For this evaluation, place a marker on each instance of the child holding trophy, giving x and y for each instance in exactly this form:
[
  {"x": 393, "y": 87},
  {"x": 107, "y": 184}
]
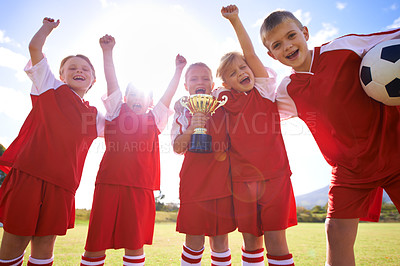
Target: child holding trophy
[
  {"x": 123, "y": 211},
  {"x": 262, "y": 191},
  {"x": 206, "y": 206}
]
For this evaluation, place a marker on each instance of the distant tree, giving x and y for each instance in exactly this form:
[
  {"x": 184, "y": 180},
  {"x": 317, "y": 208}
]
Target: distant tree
[
  {"x": 2, "y": 174},
  {"x": 159, "y": 205}
]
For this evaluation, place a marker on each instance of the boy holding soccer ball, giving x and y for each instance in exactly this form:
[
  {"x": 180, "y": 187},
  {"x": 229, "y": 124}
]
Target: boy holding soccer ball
[{"x": 357, "y": 135}]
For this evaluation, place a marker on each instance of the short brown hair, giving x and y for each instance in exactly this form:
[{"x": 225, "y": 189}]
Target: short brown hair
[
  {"x": 80, "y": 56},
  {"x": 274, "y": 19},
  {"x": 226, "y": 61}
]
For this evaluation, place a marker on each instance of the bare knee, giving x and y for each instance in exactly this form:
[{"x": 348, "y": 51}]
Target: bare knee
[
  {"x": 13, "y": 246},
  {"x": 194, "y": 242},
  {"x": 219, "y": 243},
  {"x": 275, "y": 242},
  {"x": 341, "y": 229},
  {"x": 42, "y": 246},
  {"x": 252, "y": 242}
]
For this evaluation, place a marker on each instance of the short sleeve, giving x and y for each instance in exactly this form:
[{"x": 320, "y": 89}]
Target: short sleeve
[
  {"x": 286, "y": 106},
  {"x": 113, "y": 104},
  {"x": 267, "y": 86},
  {"x": 42, "y": 77},
  {"x": 161, "y": 114}
]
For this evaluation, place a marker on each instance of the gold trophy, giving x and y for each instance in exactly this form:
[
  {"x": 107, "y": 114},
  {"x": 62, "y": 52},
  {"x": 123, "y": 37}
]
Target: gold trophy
[{"x": 207, "y": 104}]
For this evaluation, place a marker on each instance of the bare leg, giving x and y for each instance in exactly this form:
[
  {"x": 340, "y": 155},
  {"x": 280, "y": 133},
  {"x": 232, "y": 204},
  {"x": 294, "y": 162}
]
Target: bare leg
[
  {"x": 42, "y": 247},
  {"x": 134, "y": 252},
  {"x": 219, "y": 243},
  {"x": 252, "y": 242},
  {"x": 275, "y": 242},
  {"x": 340, "y": 236},
  {"x": 13, "y": 246},
  {"x": 194, "y": 242},
  {"x": 95, "y": 254}
]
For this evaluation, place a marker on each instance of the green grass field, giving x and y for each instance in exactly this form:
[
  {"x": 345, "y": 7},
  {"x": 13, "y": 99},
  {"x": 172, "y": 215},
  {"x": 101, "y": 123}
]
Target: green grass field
[{"x": 377, "y": 244}]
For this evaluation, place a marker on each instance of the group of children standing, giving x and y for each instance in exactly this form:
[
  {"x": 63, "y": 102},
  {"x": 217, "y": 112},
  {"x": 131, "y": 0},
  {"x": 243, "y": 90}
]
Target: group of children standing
[{"x": 244, "y": 183}]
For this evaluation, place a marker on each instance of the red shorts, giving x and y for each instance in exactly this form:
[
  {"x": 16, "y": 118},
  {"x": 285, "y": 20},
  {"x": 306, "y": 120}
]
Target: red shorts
[
  {"x": 30, "y": 206},
  {"x": 349, "y": 201},
  {"x": 210, "y": 218},
  {"x": 264, "y": 205},
  {"x": 121, "y": 217}
]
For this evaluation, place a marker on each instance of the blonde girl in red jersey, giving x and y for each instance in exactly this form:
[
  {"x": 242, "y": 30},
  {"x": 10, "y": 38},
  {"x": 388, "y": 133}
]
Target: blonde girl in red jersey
[
  {"x": 263, "y": 196},
  {"x": 45, "y": 161}
]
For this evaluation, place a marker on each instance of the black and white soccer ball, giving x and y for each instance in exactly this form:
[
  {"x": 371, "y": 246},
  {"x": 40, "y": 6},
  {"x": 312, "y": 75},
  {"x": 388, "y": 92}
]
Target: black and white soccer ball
[{"x": 380, "y": 72}]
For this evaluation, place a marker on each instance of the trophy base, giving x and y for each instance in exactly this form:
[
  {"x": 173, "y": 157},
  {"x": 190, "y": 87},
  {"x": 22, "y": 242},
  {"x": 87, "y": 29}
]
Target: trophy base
[{"x": 200, "y": 143}]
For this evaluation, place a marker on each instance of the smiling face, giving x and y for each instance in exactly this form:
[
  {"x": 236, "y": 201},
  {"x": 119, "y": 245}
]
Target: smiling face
[
  {"x": 287, "y": 43},
  {"x": 237, "y": 75},
  {"x": 78, "y": 74},
  {"x": 198, "y": 79}
]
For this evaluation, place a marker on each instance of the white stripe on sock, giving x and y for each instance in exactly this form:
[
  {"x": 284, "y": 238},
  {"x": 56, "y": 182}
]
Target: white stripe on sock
[{"x": 39, "y": 261}]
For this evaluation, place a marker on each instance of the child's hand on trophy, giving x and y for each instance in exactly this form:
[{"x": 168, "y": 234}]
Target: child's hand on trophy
[{"x": 199, "y": 120}]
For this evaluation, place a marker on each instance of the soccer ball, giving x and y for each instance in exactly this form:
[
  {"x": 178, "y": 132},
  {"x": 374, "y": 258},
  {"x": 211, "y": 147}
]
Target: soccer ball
[{"x": 380, "y": 72}]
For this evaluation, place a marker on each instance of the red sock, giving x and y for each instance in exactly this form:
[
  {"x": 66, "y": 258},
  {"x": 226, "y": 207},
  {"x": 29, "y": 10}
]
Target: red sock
[
  {"x": 190, "y": 256},
  {"x": 40, "y": 262},
  {"x": 134, "y": 260},
  {"x": 99, "y": 261},
  {"x": 14, "y": 262},
  {"x": 221, "y": 258},
  {"x": 253, "y": 258},
  {"x": 280, "y": 260}
]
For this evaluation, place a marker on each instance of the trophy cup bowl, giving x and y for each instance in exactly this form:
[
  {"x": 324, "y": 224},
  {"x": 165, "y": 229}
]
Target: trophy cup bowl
[{"x": 200, "y": 141}]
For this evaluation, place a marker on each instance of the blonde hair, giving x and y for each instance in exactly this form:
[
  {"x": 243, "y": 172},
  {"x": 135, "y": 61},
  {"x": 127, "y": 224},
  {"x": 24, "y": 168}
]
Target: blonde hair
[
  {"x": 226, "y": 61},
  {"x": 198, "y": 64},
  {"x": 274, "y": 19}
]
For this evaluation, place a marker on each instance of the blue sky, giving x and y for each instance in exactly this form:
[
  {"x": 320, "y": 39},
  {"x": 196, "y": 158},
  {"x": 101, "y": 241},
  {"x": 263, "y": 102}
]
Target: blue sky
[{"x": 149, "y": 34}]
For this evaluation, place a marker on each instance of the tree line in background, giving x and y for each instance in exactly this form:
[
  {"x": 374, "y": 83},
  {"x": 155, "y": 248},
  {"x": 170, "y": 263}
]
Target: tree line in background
[{"x": 317, "y": 214}]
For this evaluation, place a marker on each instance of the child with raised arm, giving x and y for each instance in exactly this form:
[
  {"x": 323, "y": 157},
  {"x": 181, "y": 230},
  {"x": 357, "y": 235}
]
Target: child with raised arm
[
  {"x": 263, "y": 196},
  {"x": 123, "y": 211},
  {"x": 206, "y": 207},
  {"x": 46, "y": 159},
  {"x": 357, "y": 135}
]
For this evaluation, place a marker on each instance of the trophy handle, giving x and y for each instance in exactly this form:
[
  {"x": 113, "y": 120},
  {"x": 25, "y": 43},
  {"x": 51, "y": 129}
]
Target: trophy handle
[
  {"x": 220, "y": 103},
  {"x": 184, "y": 102}
]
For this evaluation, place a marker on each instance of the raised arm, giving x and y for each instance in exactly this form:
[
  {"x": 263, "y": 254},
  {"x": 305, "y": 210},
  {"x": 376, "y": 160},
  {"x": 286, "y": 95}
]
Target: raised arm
[
  {"x": 180, "y": 63},
  {"x": 107, "y": 43},
  {"x": 231, "y": 13},
  {"x": 38, "y": 40}
]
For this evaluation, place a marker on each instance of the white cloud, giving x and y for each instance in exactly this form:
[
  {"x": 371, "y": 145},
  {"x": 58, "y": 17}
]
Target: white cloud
[
  {"x": 107, "y": 3},
  {"x": 327, "y": 33},
  {"x": 304, "y": 17},
  {"x": 396, "y": 24},
  {"x": 14, "y": 104},
  {"x": 4, "y": 38},
  {"x": 340, "y": 5},
  {"x": 393, "y": 7},
  {"x": 14, "y": 61}
]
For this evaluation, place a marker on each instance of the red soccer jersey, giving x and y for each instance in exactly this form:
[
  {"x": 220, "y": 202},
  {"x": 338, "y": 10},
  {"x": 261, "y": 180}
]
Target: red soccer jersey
[
  {"x": 54, "y": 140},
  {"x": 257, "y": 148},
  {"x": 132, "y": 156},
  {"x": 204, "y": 176},
  {"x": 358, "y": 136}
]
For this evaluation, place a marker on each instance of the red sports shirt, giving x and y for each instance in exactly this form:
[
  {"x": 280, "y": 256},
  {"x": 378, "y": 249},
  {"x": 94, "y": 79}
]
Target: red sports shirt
[{"x": 54, "y": 140}]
